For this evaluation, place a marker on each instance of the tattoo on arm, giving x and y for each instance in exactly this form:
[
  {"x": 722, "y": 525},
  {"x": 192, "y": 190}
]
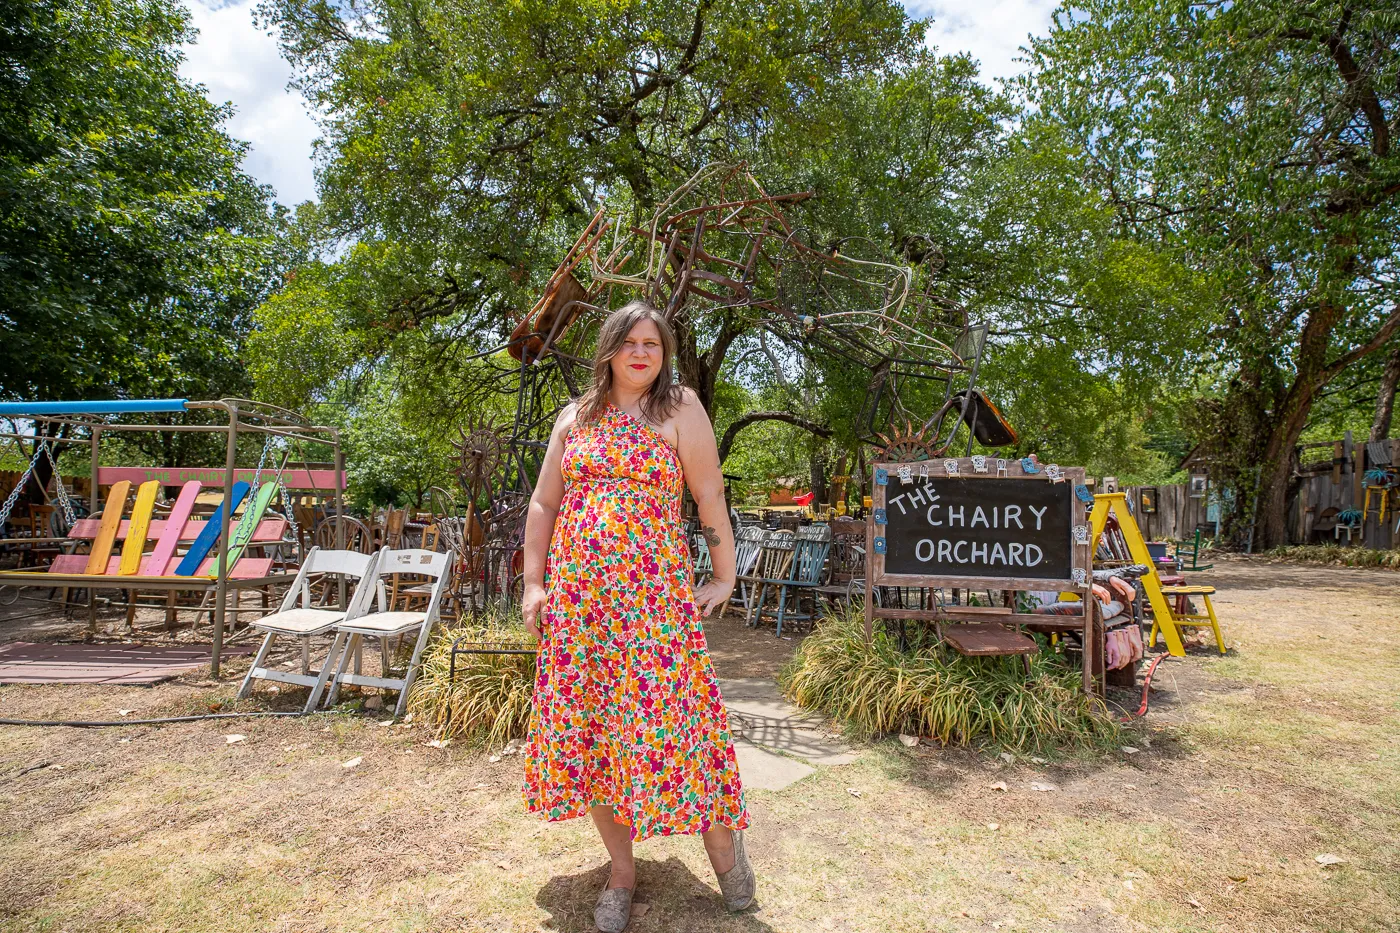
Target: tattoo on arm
[{"x": 711, "y": 536}]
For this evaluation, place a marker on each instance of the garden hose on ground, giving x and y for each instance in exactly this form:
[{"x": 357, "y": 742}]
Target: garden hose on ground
[
  {"x": 1146, "y": 683},
  {"x": 89, "y": 724}
]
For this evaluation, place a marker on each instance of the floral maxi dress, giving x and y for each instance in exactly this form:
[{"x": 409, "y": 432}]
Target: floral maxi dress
[{"x": 626, "y": 709}]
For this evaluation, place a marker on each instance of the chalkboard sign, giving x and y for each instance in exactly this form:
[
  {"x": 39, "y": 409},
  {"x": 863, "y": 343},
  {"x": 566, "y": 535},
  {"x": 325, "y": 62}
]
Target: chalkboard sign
[
  {"x": 964, "y": 527},
  {"x": 999, "y": 529}
]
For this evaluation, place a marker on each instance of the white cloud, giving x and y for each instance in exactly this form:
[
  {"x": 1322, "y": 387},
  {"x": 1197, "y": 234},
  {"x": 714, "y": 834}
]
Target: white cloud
[
  {"x": 237, "y": 62},
  {"x": 993, "y": 31}
]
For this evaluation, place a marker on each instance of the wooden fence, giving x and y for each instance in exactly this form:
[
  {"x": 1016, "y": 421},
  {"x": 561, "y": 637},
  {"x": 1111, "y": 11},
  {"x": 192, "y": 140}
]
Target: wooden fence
[{"x": 1332, "y": 481}]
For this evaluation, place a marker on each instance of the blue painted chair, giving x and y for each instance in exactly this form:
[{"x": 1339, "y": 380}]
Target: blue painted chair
[{"x": 801, "y": 577}]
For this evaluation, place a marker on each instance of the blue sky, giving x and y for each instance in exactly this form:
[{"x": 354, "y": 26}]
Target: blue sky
[{"x": 237, "y": 62}]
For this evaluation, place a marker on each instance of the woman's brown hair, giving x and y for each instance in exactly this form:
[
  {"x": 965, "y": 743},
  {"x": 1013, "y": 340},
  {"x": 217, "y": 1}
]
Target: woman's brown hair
[{"x": 664, "y": 396}]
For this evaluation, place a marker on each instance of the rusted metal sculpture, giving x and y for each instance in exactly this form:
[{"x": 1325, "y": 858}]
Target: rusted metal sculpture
[{"x": 721, "y": 247}]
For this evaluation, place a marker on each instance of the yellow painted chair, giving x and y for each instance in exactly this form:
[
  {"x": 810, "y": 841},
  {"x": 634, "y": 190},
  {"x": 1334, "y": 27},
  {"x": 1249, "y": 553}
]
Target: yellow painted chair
[{"x": 1182, "y": 619}]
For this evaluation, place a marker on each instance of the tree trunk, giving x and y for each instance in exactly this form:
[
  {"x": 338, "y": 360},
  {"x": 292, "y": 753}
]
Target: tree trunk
[
  {"x": 37, "y": 490},
  {"x": 818, "y": 465},
  {"x": 1385, "y": 398},
  {"x": 1291, "y": 417}
]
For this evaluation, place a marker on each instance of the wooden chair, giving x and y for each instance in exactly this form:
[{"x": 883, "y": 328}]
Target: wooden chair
[
  {"x": 774, "y": 558},
  {"x": 1183, "y": 617},
  {"x": 748, "y": 541},
  {"x": 846, "y": 575},
  {"x": 703, "y": 565},
  {"x": 801, "y": 577}
]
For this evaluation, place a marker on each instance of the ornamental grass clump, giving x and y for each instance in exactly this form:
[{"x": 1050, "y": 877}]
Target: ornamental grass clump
[
  {"x": 488, "y": 701},
  {"x": 931, "y": 691}
]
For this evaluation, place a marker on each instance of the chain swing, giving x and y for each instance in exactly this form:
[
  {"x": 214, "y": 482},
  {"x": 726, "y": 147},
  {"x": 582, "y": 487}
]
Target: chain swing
[
  {"x": 286, "y": 449},
  {"x": 45, "y": 450}
]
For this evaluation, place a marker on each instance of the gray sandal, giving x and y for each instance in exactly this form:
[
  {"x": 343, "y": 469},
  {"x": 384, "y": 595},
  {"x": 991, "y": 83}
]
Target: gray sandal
[
  {"x": 613, "y": 910},
  {"x": 739, "y": 883}
]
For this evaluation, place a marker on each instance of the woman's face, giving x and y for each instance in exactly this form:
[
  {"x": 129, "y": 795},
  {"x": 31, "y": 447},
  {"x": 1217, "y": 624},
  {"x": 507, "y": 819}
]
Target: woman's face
[{"x": 638, "y": 363}]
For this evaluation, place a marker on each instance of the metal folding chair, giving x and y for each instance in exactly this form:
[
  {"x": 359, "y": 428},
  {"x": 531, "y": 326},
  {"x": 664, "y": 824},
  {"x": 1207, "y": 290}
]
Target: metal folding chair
[
  {"x": 388, "y": 623},
  {"x": 299, "y": 617}
]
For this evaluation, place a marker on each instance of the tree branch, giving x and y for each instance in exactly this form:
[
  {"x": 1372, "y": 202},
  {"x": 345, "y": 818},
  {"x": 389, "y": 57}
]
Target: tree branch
[
  {"x": 1377, "y": 341},
  {"x": 754, "y": 417},
  {"x": 1362, "y": 91}
]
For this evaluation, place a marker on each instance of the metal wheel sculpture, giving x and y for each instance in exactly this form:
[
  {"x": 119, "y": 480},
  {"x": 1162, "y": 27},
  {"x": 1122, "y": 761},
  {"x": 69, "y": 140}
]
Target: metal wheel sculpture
[
  {"x": 480, "y": 454},
  {"x": 905, "y": 446}
]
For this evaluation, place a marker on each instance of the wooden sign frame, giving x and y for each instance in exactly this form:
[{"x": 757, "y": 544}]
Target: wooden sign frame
[{"x": 1081, "y": 558}]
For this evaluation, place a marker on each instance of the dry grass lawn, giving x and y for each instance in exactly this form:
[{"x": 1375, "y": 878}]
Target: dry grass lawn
[{"x": 1249, "y": 767}]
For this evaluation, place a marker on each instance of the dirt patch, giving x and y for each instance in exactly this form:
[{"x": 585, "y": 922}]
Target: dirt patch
[{"x": 1247, "y": 767}]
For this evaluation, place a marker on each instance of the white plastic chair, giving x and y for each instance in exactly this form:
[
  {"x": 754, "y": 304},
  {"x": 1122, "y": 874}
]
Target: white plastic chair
[
  {"x": 386, "y": 623},
  {"x": 305, "y": 620}
]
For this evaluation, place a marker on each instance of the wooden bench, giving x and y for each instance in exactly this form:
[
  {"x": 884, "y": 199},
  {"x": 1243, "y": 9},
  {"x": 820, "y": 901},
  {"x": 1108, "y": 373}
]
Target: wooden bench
[{"x": 116, "y": 555}]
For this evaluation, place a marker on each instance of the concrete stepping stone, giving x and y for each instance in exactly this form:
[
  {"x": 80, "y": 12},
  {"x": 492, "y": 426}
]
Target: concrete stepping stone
[{"x": 759, "y": 715}]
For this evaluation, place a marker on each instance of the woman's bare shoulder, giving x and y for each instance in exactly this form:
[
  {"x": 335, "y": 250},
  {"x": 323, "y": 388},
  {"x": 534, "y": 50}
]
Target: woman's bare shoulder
[
  {"x": 690, "y": 411},
  {"x": 565, "y": 421}
]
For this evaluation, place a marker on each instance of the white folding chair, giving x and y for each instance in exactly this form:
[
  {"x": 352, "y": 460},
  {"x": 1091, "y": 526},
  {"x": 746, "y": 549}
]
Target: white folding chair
[
  {"x": 305, "y": 620},
  {"x": 386, "y": 624}
]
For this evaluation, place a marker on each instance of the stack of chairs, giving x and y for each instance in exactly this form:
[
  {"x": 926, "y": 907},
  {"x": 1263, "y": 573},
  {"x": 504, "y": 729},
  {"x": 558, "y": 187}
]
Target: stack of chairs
[{"x": 794, "y": 568}]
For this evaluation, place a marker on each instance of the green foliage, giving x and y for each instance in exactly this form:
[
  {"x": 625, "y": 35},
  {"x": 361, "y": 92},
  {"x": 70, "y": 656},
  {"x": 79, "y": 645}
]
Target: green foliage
[
  {"x": 871, "y": 687},
  {"x": 393, "y": 453},
  {"x": 489, "y": 699},
  {"x": 132, "y": 246},
  {"x": 1257, "y": 142}
]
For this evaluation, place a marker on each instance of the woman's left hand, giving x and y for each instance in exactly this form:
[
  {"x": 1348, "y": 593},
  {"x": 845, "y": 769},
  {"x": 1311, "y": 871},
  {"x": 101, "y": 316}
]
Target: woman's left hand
[{"x": 713, "y": 594}]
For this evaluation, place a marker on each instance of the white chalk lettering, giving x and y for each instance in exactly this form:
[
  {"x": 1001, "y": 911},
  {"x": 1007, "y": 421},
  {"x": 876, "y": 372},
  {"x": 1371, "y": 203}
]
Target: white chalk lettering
[
  {"x": 928, "y": 516},
  {"x": 1032, "y": 561},
  {"x": 1038, "y": 514},
  {"x": 957, "y": 552},
  {"x": 895, "y": 501},
  {"x": 916, "y": 497},
  {"x": 1013, "y": 514},
  {"x": 955, "y": 516},
  {"x": 1014, "y": 549},
  {"x": 919, "y": 549},
  {"x": 998, "y": 554},
  {"x": 979, "y": 516},
  {"x": 979, "y": 551},
  {"x": 945, "y": 550}
]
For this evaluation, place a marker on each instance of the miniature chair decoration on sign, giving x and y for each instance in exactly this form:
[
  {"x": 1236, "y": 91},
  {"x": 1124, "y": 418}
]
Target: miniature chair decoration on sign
[
  {"x": 386, "y": 624},
  {"x": 297, "y": 617}
]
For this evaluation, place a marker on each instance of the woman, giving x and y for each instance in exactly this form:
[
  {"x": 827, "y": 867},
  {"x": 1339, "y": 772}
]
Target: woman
[{"x": 628, "y": 723}]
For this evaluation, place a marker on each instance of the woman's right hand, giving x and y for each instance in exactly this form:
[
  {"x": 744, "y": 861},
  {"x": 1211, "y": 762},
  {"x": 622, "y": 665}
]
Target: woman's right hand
[{"x": 532, "y": 608}]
